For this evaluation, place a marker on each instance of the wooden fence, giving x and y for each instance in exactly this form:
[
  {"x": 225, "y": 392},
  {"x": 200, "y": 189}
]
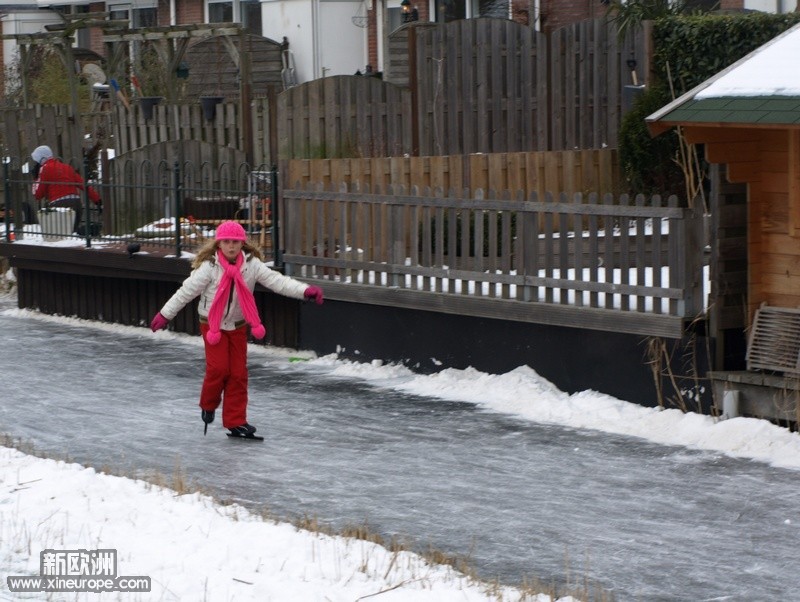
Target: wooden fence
[
  {"x": 627, "y": 264},
  {"x": 479, "y": 86},
  {"x": 587, "y": 73},
  {"x": 23, "y": 129},
  {"x": 184, "y": 122},
  {"x": 344, "y": 116},
  {"x": 563, "y": 171},
  {"x": 474, "y": 86}
]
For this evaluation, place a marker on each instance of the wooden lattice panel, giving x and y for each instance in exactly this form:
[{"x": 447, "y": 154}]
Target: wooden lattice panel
[{"x": 775, "y": 340}]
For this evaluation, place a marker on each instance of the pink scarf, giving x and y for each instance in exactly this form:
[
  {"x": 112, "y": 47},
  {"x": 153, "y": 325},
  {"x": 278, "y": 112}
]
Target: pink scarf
[{"x": 232, "y": 274}]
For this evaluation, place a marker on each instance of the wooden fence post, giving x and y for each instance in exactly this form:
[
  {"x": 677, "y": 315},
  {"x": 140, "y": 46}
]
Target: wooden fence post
[
  {"x": 412, "y": 84},
  {"x": 397, "y": 242},
  {"x": 695, "y": 241}
]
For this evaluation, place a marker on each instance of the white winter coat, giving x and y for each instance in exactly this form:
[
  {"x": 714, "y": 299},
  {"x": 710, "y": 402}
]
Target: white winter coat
[{"x": 204, "y": 281}]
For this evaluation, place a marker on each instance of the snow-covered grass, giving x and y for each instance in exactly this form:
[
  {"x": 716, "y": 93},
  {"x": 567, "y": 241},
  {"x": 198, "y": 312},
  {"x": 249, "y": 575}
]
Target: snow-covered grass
[{"x": 194, "y": 548}]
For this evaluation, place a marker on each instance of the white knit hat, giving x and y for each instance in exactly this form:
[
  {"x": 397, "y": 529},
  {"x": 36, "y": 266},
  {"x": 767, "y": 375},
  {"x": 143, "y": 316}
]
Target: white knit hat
[{"x": 41, "y": 154}]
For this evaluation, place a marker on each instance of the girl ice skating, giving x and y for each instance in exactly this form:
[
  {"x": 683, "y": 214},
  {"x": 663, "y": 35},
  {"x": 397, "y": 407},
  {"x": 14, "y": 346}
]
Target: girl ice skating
[{"x": 225, "y": 272}]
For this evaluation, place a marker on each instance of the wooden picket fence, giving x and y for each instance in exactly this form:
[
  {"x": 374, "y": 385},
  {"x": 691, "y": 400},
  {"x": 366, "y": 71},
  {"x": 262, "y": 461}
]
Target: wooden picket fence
[
  {"x": 185, "y": 122},
  {"x": 627, "y": 264},
  {"x": 23, "y": 129}
]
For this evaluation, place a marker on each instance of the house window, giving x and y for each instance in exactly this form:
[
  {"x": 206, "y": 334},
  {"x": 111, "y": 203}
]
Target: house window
[
  {"x": 145, "y": 17},
  {"x": 394, "y": 14},
  {"x": 251, "y": 16},
  {"x": 246, "y": 12},
  {"x": 452, "y": 10},
  {"x": 140, "y": 14},
  {"x": 82, "y": 38},
  {"x": 220, "y": 12}
]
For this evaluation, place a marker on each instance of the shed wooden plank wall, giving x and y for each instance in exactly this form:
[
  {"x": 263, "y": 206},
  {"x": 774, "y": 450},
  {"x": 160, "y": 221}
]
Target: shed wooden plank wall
[{"x": 773, "y": 238}]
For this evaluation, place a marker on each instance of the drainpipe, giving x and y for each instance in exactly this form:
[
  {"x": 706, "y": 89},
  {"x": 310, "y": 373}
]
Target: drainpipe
[
  {"x": 315, "y": 49},
  {"x": 173, "y": 13}
]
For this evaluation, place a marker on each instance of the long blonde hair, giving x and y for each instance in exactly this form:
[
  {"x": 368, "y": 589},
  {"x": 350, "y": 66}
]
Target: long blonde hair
[{"x": 209, "y": 251}]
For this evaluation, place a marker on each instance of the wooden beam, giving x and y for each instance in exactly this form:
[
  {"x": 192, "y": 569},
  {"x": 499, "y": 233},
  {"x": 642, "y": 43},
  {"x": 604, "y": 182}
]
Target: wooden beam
[
  {"x": 706, "y": 135},
  {"x": 80, "y": 260},
  {"x": 729, "y": 152},
  {"x": 744, "y": 171},
  {"x": 793, "y": 177},
  {"x": 530, "y": 312},
  {"x": 174, "y": 32}
]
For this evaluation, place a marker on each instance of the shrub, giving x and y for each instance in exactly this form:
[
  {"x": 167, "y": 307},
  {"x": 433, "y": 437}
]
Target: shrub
[{"x": 649, "y": 165}]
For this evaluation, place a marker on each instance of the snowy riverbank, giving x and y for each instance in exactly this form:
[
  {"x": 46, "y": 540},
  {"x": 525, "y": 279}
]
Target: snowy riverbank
[{"x": 193, "y": 548}]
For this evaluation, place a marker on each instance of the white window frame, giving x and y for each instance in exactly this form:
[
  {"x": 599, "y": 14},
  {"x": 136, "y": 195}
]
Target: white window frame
[{"x": 237, "y": 10}]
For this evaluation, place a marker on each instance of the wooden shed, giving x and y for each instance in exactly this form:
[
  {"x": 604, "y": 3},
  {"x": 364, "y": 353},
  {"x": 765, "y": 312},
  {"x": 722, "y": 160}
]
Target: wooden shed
[{"x": 748, "y": 119}]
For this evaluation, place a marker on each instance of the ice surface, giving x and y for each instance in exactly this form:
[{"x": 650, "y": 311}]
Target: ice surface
[{"x": 646, "y": 521}]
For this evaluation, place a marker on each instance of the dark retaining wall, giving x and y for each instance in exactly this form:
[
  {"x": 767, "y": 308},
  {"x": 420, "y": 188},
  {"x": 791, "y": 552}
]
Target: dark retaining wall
[
  {"x": 111, "y": 286},
  {"x": 573, "y": 359}
]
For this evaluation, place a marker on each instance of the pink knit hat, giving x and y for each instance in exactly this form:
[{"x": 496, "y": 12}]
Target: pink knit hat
[{"x": 230, "y": 231}]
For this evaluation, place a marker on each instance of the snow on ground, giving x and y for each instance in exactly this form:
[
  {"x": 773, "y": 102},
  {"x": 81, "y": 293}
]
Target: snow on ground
[
  {"x": 216, "y": 552},
  {"x": 522, "y": 392}
]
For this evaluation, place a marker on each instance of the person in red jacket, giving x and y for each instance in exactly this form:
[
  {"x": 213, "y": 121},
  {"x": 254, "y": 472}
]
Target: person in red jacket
[{"x": 59, "y": 184}]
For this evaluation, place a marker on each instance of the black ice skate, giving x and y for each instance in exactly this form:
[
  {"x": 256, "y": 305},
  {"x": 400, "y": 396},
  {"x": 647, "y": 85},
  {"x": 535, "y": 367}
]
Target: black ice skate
[
  {"x": 245, "y": 431},
  {"x": 208, "y": 418}
]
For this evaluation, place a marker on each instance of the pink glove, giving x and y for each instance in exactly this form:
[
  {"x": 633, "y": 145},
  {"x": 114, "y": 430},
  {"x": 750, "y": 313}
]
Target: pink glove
[
  {"x": 159, "y": 322},
  {"x": 314, "y": 293}
]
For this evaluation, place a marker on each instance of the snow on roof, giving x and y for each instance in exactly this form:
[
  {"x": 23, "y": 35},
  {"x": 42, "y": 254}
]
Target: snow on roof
[{"x": 771, "y": 70}]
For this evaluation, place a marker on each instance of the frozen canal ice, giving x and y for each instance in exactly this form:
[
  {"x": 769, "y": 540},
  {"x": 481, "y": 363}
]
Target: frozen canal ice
[{"x": 644, "y": 521}]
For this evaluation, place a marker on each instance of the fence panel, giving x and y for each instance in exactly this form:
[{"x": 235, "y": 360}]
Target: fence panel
[
  {"x": 568, "y": 171},
  {"x": 184, "y": 123},
  {"x": 343, "y": 116},
  {"x": 151, "y": 198},
  {"x": 23, "y": 129},
  {"x": 463, "y": 245},
  {"x": 471, "y": 95},
  {"x": 491, "y": 85},
  {"x": 588, "y": 72}
]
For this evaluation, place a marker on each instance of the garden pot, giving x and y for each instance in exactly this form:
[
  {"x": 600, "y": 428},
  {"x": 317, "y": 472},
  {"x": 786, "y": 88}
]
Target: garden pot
[
  {"x": 209, "y": 104},
  {"x": 146, "y": 103}
]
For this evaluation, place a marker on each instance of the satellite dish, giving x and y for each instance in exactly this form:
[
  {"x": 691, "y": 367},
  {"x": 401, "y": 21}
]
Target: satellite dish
[{"x": 93, "y": 73}]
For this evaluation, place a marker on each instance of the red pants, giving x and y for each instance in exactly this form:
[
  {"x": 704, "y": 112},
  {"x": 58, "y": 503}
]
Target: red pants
[{"x": 226, "y": 376}]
